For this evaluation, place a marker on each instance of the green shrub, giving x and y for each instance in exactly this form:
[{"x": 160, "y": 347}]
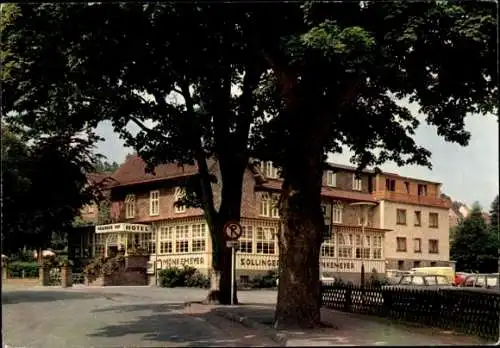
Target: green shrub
[
  {"x": 15, "y": 269},
  {"x": 197, "y": 280},
  {"x": 266, "y": 281},
  {"x": 188, "y": 276},
  {"x": 170, "y": 277}
]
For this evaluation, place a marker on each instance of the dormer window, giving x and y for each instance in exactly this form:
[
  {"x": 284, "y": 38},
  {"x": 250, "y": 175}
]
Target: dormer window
[
  {"x": 422, "y": 190},
  {"x": 178, "y": 195},
  {"x": 390, "y": 185},
  {"x": 269, "y": 170},
  {"x": 129, "y": 206},
  {"x": 331, "y": 178},
  {"x": 357, "y": 183}
]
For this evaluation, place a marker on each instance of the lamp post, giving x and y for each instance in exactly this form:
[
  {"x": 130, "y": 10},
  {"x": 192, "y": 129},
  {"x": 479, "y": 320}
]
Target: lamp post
[{"x": 363, "y": 210}]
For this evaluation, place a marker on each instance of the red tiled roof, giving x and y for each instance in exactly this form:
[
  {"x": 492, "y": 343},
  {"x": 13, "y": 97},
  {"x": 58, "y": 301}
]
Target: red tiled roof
[
  {"x": 133, "y": 171},
  {"x": 326, "y": 192},
  {"x": 97, "y": 178}
]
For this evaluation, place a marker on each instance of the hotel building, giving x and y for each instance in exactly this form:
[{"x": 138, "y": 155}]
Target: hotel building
[{"x": 363, "y": 217}]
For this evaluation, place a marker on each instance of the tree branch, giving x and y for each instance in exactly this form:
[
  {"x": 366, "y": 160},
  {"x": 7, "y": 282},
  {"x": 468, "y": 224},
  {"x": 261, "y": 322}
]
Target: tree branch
[
  {"x": 247, "y": 102},
  {"x": 207, "y": 198}
]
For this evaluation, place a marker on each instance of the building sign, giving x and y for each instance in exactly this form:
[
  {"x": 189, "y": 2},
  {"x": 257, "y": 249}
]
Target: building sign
[
  {"x": 194, "y": 261},
  {"x": 151, "y": 268},
  {"x": 258, "y": 262},
  {"x": 337, "y": 265}
]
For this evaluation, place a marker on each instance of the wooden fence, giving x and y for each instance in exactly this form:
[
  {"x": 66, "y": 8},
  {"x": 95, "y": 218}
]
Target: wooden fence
[{"x": 470, "y": 311}]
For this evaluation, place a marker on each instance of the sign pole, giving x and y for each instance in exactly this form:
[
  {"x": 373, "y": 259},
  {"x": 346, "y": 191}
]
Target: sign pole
[
  {"x": 233, "y": 231},
  {"x": 233, "y": 271}
]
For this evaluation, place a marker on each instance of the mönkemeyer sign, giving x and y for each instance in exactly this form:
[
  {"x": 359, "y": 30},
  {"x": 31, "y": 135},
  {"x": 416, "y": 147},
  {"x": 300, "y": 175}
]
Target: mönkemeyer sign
[{"x": 197, "y": 261}]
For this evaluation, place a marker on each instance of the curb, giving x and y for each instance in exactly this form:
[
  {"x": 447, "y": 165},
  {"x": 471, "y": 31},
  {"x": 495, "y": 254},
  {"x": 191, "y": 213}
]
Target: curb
[{"x": 272, "y": 334}]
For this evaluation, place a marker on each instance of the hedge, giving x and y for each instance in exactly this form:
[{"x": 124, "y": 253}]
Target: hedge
[
  {"x": 187, "y": 276},
  {"x": 15, "y": 269}
]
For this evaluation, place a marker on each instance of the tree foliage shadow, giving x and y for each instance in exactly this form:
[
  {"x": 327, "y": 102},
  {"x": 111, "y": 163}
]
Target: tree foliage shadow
[
  {"x": 170, "y": 325},
  {"x": 23, "y": 296}
]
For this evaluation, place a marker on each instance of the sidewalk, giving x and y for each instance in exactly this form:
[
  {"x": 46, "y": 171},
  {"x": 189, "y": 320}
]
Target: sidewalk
[{"x": 347, "y": 330}]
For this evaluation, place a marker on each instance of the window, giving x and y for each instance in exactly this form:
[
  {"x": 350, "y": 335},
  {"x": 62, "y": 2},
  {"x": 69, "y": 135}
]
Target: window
[
  {"x": 441, "y": 280},
  {"x": 129, "y": 206},
  {"x": 422, "y": 190},
  {"x": 418, "y": 218},
  {"x": 99, "y": 245},
  {"x": 433, "y": 246},
  {"x": 246, "y": 239},
  {"x": 275, "y": 211},
  {"x": 331, "y": 178},
  {"x": 150, "y": 242},
  {"x": 179, "y": 195},
  {"x": 390, "y": 185},
  {"x": 357, "y": 183},
  {"x": 433, "y": 220},
  {"x": 407, "y": 187},
  {"x": 328, "y": 247},
  {"x": 182, "y": 239},
  {"x": 269, "y": 170},
  {"x": 138, "y": 240},
  {"x": 433, "y": 264},
  {"x": 401, "y": 244},
  {"x": 265, "y": 205},
  {"x": 401, "y": 266},
  {"x": 405, "y": 280},
  {"x": 337, "y": 215},
  {"x": 401, "y": 216},
  {"x": 362, "y": 247},
  {"x": 199, "y": 237},
  {"x": 416, "y": 264},
  {"x": 166, "y": 240},
  {"x": 417, "y": 245},
  {"x": 154, "y": 203},
  {"x": 265, "y": 240},
  {"x": 345, "y": 245},
  {"x": 377, "y": 242}
]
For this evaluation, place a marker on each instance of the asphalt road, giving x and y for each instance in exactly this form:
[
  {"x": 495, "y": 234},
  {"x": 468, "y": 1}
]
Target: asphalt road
[{"x": 119, "y": 316}]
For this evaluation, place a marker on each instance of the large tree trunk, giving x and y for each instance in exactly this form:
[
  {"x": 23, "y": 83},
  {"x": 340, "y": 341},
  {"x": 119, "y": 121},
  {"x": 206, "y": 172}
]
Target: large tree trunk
[
  {"x": 220, "y": 282},
  {"x": 232, "y": 171},
  {"x": 299, "y": 242}
]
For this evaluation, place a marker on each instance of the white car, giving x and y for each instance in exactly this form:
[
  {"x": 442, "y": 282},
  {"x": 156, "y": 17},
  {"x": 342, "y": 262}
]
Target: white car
[{"x": 323, "y": 277}]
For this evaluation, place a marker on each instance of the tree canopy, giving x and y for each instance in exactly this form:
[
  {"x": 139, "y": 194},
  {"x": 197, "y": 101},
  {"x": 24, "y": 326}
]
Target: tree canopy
[
  {"x": 312, "y": 77},
  {"x": 44, "y": 186},
  {"x": 103, "y": 166},
  {"x": 475, "y": 246},
  {"x": 494, "y": 215}
]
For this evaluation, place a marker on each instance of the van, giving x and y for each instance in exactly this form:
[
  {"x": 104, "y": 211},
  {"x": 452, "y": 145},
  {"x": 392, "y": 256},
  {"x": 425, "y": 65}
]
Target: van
[{"x": 448, "y": 272}]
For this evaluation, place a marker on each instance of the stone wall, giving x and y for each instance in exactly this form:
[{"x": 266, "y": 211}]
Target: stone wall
[{"x": 133, "y": 272}]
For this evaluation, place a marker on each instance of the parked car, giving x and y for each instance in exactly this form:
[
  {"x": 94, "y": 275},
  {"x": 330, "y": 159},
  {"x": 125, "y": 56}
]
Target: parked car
[
  {"x": 423, "y": 280},
  {"x": 325, "y": 279},
  {"x": 448, "y": 272},
  {"x": 460, "y": 277},
  {"x": 485, "y": 281},
  {"x": 394, "y": 275}
]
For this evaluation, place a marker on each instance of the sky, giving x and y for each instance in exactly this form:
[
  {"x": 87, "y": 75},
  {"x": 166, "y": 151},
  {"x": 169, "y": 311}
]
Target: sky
[{"x": 468, "y": 174}]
